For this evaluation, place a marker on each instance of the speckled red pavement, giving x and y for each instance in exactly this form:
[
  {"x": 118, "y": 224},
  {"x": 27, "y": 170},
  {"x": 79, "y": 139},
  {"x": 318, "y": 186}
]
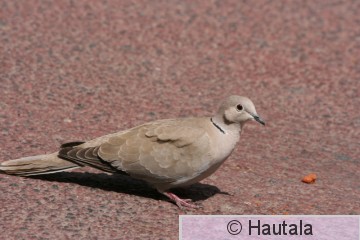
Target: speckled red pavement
[{"x": 75, "y": 70}]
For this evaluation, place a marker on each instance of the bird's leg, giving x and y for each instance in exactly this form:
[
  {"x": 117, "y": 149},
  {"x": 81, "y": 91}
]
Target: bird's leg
[{"x": 179, "y": 202}]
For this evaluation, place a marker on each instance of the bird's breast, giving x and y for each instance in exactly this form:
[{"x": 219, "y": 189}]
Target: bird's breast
[
  {"x": 221, "y": 149},
  {"x": 224, "y": 144}
]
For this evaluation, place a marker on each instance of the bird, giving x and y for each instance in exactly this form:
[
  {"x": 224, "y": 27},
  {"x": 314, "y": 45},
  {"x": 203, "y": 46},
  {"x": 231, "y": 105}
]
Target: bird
[{"x": 166, "y": 154}]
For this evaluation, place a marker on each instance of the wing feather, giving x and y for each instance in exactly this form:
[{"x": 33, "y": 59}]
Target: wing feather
[
  {"x": 158, "y": 152},
  {"x": 166, "y": 150}
]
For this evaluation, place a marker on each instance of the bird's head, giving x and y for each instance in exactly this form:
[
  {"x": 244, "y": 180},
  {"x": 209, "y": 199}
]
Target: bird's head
[{"x": 238, "y": 109}]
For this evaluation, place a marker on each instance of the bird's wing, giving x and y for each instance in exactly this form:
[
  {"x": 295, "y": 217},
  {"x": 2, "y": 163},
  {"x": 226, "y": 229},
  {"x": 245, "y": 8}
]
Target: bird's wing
[{"x": 160, "y": 150}]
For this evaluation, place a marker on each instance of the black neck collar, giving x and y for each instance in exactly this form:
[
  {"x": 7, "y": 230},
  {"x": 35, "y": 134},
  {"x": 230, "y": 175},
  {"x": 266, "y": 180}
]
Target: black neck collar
[{"x": 217, "y": 126}]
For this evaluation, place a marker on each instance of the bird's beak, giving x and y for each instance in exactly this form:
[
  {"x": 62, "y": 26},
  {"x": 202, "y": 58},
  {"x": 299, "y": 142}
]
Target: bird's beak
[
  {"x": 259, "y": 120},
  {"x": 256, "y": 118}
]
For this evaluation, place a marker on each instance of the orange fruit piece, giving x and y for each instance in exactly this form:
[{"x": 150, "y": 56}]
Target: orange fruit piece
[{"x": 310, "y": 178}]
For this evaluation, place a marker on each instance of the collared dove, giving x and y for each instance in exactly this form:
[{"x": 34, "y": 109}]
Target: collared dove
[{"x": 166, "y": 154}]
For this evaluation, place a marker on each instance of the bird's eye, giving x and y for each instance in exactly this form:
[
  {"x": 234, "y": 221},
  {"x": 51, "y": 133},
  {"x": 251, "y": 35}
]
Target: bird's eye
[{"x": 239, "y": 107}]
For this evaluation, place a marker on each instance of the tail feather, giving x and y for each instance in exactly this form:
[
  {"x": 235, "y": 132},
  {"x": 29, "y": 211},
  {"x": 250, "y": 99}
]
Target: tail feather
[{"x": 37, "y": 165}]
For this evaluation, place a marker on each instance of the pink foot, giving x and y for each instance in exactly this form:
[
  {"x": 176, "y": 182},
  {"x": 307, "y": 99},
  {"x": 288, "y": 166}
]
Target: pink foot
[{"x": 180, "y": 202}]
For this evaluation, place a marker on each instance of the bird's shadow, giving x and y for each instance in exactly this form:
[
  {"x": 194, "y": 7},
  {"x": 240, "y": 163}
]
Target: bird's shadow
[{"x": 125, "y": 184}]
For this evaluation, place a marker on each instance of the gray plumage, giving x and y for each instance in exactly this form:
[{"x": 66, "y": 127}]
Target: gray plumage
[{"x": 166, "y": 153}]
